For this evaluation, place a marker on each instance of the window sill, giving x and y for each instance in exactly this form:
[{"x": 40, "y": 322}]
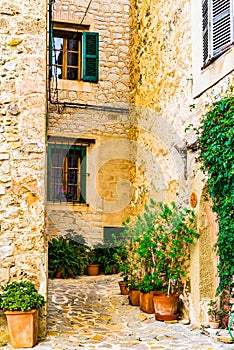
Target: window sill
[
  {"x": 72, "y": 85},
  {"x": 61, "y": 206},
  {"x": 214, "y": 72}
]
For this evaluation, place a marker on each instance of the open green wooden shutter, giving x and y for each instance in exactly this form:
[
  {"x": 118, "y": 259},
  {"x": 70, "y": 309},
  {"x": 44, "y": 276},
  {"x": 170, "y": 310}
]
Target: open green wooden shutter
[
  {"x": 222, "y": 26},
  {"x": 90, "y": 56}
]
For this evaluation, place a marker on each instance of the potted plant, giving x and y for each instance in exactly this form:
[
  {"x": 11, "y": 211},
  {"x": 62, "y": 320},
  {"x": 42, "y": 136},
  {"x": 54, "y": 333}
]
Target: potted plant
[
  {"x": 163, "y": 234},
  {"x": 65, "y": 196},
  {"x": 66, "y": 257},
  {"x": 213, "y": 312},
  {"x": 105, "y": 255},
  {"x": 150, "y": 285},
  {"x": 20, "y": 302},
  {"x": 134, "y": 292},
  {"x": 121, "y": 257},
  {"x": 175, "y": 233},
  {"x": 94, "y": 261}
]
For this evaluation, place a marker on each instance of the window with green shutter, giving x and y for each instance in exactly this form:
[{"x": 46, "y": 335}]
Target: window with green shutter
[
  {"x": 217, "y": 27},
  {"x": 90, "y": 45},
  {"x": 74, "y": 53},
  {"x": 66, "y": 174}
]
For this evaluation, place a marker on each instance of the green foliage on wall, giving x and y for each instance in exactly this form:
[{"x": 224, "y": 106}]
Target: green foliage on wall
[{"x": 216, "y": 152}]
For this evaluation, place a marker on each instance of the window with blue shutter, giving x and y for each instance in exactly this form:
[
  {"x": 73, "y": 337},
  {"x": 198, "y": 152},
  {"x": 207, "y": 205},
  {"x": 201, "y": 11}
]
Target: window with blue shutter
[
  {"x": 217, "y": 25},
  {"x": 90, "y": 43}
]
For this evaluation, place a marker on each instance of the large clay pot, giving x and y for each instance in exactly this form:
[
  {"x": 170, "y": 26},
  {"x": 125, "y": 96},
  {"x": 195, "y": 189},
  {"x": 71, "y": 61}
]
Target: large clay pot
[
  {"x": 166, "y": 307},
  {"x": 23, "y": 328},
  {"x": 93, "y": 269},
  {"x": 134, "y": 297},
  {"x": 146, "y": 301},
  {"x": 123, "y": 288}
]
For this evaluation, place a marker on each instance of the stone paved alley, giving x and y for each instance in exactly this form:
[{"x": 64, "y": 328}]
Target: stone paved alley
[{"x": 89, "y": 313}]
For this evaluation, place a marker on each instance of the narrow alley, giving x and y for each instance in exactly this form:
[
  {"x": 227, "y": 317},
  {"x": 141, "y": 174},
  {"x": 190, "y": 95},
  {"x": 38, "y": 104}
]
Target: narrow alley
[{"x": 89, "y": 313}]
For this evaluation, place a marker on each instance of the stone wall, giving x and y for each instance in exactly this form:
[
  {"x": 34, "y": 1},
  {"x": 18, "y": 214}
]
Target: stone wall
[
  {"x": 161, "y": 92},
  {"x": 111, "y": 21},
  {"x": 110, "y": 160},
  {"x": 161, "y": 84},
  {"x": 22, "y": 144}
]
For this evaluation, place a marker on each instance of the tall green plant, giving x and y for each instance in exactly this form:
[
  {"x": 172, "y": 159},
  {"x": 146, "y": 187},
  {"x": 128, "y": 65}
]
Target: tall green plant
[
  {"x": 216, "y": 152},
  {"x": 162, "y": 235}
]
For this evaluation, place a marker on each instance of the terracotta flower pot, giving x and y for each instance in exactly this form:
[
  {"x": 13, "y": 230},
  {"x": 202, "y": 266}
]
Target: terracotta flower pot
[
  {"x": 123, "y": 288},
  {"x": 134, "y": 297},
  {"x": 146, "y": 301},
  {"x": 166, "y": 307},
  {"x": 93, "y": 269},
  {"x": 59, "y": 273},
  {"x": 214, "y": 324},
  {"x": 23, "y": 328}
]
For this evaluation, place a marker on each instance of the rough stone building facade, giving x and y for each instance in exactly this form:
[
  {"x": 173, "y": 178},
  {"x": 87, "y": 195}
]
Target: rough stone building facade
[
  {"x": 96, "y": 114},
  {"x": 118, "y": 115},
  {"x": 173, "y": 80},
  {"x": 22, "y": 144}
]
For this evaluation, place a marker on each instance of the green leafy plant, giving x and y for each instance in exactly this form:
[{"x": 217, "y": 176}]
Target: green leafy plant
[
  {"x": 122, "y": 259},
  {"x": 107, "y": 258},
  {"x": 149, "y": 283},
  {"x": 213, "y": 310},
  {"x": 20, "y": 296},
  {"x": 177, "y": 233},
  {"x": 216, "y": 145},
  {"x": 69, "y": 256},
  {"x": 160, "y": 239}
]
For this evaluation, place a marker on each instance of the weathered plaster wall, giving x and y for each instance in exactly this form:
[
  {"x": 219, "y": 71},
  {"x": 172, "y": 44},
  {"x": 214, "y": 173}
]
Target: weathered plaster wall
[
  {"x": 22, "y": 144},
  {"x": 162, "y": 93}
]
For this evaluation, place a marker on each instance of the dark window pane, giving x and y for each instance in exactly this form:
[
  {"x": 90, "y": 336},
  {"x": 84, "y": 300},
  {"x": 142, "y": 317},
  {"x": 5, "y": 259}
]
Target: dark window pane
[
  {"x": 72, "y": 44},
  {"x": 73, "y": 160},
  {"x": 72, "y": 73},
  {"x": 72, "y": 59},
  {"x": 72, "y": 176}
]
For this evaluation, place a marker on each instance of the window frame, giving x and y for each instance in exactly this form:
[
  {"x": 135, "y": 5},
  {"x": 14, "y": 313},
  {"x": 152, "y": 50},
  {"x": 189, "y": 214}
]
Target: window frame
[
  {"x": 204, "y": 77},
  {"x": 88, "y": 55},
  {"x": 66, "y": 36},
  {"x": 81, "y": 184}
]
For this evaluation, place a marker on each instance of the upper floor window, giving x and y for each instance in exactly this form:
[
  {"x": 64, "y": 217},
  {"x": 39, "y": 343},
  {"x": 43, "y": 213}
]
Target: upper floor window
[
  {"x": 217, "y": 28},
  {"x": 74, "y": 54},
  {"x": 66, "y": 172}
]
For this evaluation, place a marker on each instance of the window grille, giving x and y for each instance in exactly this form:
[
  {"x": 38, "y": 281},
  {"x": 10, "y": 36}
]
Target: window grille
[{"x": 66, "y": 172}]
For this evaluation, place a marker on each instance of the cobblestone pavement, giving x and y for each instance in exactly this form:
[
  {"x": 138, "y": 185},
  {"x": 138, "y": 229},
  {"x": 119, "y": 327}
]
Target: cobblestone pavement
[{"x": 89, "y": 313}]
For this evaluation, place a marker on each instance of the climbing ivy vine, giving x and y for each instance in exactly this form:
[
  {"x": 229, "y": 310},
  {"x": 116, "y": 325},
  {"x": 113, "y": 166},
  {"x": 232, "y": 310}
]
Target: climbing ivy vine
[{"x": 216, "y": 152}]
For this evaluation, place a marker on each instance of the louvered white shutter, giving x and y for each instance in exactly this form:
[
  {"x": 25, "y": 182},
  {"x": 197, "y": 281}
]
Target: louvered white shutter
[
  {"x": 217, "y": 27},
  {"x": 222, "y": 26}
]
